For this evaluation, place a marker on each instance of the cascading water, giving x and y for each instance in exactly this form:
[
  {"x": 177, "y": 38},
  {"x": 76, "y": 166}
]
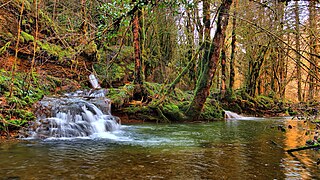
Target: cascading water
[
  {"x": 233, "y": 115},
  {"x": 77, "y": 114}
]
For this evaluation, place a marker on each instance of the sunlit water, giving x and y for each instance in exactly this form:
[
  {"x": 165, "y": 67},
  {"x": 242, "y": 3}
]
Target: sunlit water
[{"x": 232, "y": 149}]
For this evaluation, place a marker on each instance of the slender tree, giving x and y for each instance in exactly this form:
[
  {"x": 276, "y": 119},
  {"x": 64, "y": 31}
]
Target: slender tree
[
  {"x": 298, "y": 55},
  {"x": 223, "y": 61},
  {"x": 312, "y": 46}
]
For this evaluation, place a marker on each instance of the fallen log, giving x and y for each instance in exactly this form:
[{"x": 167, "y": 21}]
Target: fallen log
[{"x": 303, "y": 148}]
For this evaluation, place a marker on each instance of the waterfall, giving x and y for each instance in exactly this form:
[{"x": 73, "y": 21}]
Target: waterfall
[
  {"x": 232, "y": 115},
  {"x": 77, "y": 114}
]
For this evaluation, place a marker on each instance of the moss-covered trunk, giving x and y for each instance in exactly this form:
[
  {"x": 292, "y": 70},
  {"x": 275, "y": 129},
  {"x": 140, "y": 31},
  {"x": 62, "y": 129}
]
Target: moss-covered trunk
[{"x": 210, "y": 61}]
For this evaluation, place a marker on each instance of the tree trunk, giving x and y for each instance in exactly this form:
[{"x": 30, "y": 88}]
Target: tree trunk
[
  {"x": 298, "y": 56},
  {"x": 233, "y": 45},
  {"x": 137, "y": 52},
  {"x": 313, "y": 60},
  {"x": 210, "y": 59},
  {"x": 138, "y": 75},
  {"x": 281, "y": 51},
  {"x": 223, "y": 73}
]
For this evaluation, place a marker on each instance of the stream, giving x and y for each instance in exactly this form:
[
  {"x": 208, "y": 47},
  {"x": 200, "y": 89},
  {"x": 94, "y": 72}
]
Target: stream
[{"x": 249, "y": 148}]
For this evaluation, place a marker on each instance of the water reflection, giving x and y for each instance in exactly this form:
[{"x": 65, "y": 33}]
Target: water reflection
[
  {"x": 300, "y": 165},
  {"x": 219, "y": 150}
]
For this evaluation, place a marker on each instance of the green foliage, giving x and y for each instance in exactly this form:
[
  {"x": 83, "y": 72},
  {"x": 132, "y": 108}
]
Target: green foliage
[
  {"x": 116, "y": 72},
  {"x": 121, "y": 95},
  {"x": 56, "y": 50},
  {"x": 212, "y": 110},
  {"x": 230, "y": 95},
  {"x": 111, "y": 69},
  {"x": 4, "y": 82},
  {"x": 27, "y": 37},
  {"x": 4, "y": 48},
  {"x": 15, "y": 109},
  {"x": 113, "y": 11}
]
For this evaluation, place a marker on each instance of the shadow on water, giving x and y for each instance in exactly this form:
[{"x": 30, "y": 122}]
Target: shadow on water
[{"x": 231, "y": 149}]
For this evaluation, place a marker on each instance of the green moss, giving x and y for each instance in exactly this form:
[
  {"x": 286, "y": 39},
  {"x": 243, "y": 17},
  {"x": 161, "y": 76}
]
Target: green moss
[
  {"x": 90, "y": 48},
  {"x": 30, "y": 20},
  {"x": 56, "y": 50},
  {"x": 21, "y": 40},
  {"x": 27, "y": 37},
  {"x": 173, "y": 112},
  {"x": 212, "y": 110},
  {"x": 45, "y": 19}
]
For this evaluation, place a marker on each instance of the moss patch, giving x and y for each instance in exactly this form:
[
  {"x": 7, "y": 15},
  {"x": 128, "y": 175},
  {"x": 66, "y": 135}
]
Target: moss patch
[
  {"x": 27, "y": 37},
  {"x": 56, "y": 50}
]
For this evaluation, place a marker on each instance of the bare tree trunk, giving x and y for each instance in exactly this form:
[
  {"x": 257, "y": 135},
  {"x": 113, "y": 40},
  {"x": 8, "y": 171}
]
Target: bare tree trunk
[
  {"x": 313, "y": 60},
  {"x": 281, "y": 52},
  {"x": 298, "y": 56},
  {"x": 210, "y": 60},
  {"x": 36, "y": 5}
]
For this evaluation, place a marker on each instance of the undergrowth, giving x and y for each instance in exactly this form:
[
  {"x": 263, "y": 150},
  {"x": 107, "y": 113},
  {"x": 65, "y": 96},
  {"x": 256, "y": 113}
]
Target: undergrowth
[{"x": 16, "y": 107}]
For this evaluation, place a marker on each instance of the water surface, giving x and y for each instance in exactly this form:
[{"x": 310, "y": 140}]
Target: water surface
[{"x": 233, "y": 149}]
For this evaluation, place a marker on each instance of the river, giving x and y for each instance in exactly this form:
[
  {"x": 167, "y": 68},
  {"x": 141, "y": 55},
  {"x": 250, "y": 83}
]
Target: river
[{"x": 232, "y": 149}]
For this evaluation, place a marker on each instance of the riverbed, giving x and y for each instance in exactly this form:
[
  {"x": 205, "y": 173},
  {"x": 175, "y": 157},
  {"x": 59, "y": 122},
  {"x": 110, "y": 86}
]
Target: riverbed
[{"x": 250, "y": 148}]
